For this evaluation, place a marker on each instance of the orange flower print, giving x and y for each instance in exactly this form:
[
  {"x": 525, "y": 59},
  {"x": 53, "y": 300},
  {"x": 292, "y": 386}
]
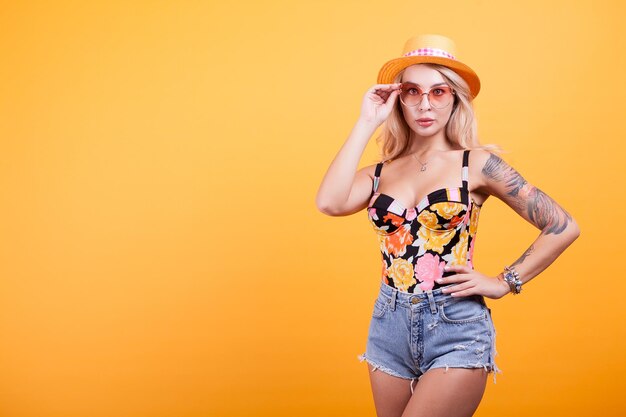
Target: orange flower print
[
  {"x": 401, "y": 272},
  {"x": 397, "y": 242},
  {"x": 428, "y": 219},
  {"x": 455, "y": 221},
  {"x": 474, "y": 219},
  {"x": 447, "y": 210},
  {"x": 458, "y": 254},
  {"x": 395, "y": 220},
  {"x": 435, "y": 240}
]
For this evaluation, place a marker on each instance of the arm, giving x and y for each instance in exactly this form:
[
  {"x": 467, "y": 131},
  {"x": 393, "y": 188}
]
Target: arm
[
  {"x": 557, "y": 227},
  {"x": 344, "y": 190}
]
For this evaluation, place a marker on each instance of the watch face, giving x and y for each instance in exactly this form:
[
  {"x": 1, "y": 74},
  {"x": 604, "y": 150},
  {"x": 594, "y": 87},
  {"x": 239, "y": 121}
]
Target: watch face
[{"x": 512, "y": 279}]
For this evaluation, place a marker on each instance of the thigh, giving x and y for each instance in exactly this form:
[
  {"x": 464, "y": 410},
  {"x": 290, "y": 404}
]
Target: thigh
[
  {"x": 391, "y": 393},
  {"x": 455, "y": 392}
]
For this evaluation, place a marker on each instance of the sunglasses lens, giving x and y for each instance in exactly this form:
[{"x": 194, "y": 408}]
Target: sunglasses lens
[
  {"x": 438, "y": 97},
  {"x": 410, "y": 94}
]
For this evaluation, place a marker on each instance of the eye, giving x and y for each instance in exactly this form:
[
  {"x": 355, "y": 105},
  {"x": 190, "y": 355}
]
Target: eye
[
  {"x": 439, "y": 91},
  {"x": 410, "y": 89}
]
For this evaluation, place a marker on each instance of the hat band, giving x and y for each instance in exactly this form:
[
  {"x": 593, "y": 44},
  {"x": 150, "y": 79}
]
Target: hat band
[{"x": 430, "y": 52}]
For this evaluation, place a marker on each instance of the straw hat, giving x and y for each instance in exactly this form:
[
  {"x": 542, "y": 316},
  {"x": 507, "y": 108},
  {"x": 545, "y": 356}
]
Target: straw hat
[{"x": 436, "y": 49}]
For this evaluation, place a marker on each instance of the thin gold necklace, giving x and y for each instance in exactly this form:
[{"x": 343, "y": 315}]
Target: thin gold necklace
[{"x": 423, "y": 164}]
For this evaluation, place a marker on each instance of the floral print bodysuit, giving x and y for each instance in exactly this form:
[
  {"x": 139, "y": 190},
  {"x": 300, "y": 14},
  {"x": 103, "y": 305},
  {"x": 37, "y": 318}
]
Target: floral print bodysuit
[{"x": 416, "y": 243}]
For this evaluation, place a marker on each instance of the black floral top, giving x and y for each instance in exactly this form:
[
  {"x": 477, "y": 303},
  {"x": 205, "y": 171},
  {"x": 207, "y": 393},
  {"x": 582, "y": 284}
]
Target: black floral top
[{"x": 416, "y": 243}]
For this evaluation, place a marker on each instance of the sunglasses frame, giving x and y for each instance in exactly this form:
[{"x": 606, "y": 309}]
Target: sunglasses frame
[{"x": 404, "y": 88}]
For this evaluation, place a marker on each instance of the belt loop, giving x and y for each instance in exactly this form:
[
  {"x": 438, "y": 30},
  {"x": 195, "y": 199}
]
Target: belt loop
[
  {"x": 394, "y": 294},
  {"x": 431, "y": 301}
]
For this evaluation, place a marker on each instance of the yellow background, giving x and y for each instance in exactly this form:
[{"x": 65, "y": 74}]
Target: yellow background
[{"x": 161, "y": 251}]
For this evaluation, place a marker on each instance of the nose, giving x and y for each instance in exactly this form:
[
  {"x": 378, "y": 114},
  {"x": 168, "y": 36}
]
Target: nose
[{"x": 421, "y": 105}]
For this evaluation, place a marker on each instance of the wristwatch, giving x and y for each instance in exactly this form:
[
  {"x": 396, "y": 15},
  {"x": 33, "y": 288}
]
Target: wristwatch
[{"x": 512, "y": 278}]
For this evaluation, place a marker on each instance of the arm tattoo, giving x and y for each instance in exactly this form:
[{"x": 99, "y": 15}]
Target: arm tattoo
[
  {"x": 543, "y": 211},
  {"x": 524, "y": 255},
  {"x": 498, "y": 170}
]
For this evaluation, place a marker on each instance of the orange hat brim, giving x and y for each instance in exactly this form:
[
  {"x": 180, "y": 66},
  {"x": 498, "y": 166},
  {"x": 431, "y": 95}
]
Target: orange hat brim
[{"x": 390, "y": 69}]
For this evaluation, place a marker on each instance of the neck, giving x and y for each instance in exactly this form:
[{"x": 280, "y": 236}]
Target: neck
[{"x": 422, "y": 145}]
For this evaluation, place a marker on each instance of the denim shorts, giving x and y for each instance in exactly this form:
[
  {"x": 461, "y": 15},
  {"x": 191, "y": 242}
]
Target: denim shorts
[{"x": 412, "y": 333}]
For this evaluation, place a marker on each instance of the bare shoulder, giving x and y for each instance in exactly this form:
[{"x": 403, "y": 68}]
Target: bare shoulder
[
  {"x": 479, "y": 159},
  {"x": 367, "y": 171}
]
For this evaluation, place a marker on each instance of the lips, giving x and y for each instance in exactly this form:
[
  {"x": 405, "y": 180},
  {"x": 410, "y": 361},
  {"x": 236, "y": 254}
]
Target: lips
[{"x": 425, "y": 122}]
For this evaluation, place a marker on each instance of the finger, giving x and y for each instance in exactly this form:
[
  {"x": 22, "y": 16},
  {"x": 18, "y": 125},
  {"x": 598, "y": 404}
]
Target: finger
[
  {"x": 458, "y": 287},
  {"x": 385, "y": 95},
  {"x": 454, "y": 278},
  {"x": 385, "y": 87},
  {"x": 464, "y": 293},
  {"x": 458, "y": 268},
  {"x": 392, "y": 96}
]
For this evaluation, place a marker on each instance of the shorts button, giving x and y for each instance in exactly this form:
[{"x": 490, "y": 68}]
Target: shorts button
[{"x": 414, "y": 300}]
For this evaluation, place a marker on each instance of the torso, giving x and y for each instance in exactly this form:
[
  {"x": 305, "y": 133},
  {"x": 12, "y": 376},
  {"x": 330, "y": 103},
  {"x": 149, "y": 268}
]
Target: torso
[{"x": 418, "y": 239}]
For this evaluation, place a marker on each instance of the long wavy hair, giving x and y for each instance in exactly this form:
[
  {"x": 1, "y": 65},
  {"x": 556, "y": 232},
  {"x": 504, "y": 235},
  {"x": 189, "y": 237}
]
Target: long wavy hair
[{"x": 461, "y": 129}]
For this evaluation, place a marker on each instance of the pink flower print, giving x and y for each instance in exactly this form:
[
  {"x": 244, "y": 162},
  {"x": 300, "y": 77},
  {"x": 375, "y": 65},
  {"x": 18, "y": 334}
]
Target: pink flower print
[
  {"x": 411, "y": 214},
  {"x": 470, "y": 254},
  {"x": 372, "y": 213},
  {"x": 428, "y": 269}
]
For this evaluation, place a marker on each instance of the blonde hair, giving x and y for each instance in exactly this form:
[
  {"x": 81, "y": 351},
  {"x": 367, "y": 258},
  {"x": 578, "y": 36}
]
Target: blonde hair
[{"x": 461, "y": 129}]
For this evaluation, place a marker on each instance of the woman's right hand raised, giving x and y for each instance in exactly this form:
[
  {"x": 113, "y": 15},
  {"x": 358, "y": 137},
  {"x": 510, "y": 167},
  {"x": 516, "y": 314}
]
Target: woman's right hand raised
[{"x": 378, "y": 102}]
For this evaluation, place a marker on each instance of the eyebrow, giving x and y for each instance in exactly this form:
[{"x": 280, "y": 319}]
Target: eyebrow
[{"x": 434, "y": 85}]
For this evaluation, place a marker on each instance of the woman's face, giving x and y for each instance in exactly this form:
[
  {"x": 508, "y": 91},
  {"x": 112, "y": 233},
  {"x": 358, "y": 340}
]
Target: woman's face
[{"x": 427, "y": 79}]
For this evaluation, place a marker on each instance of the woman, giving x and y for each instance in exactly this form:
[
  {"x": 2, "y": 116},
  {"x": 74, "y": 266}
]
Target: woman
[{"x": 430, "y": 325}]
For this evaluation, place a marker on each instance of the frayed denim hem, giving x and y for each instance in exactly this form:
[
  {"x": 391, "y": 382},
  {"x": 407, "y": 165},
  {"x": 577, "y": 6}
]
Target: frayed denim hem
[{"x": 386, "y": 370}]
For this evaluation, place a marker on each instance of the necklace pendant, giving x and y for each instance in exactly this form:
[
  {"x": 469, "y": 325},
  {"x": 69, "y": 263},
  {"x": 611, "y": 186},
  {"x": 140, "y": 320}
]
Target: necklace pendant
[{"x": 423, "y": 168}]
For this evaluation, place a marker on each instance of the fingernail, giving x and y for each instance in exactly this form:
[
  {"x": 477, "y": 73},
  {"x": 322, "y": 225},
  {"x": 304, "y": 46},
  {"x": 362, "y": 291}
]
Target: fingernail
[
  {"x": 439, "y": 280},
  {"x": 446, "y": 268}
]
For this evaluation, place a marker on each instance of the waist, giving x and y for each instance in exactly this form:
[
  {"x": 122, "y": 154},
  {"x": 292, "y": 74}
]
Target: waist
[
  {"x": 408, "y": 299},
  {"x": 406, "y": 280}
]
